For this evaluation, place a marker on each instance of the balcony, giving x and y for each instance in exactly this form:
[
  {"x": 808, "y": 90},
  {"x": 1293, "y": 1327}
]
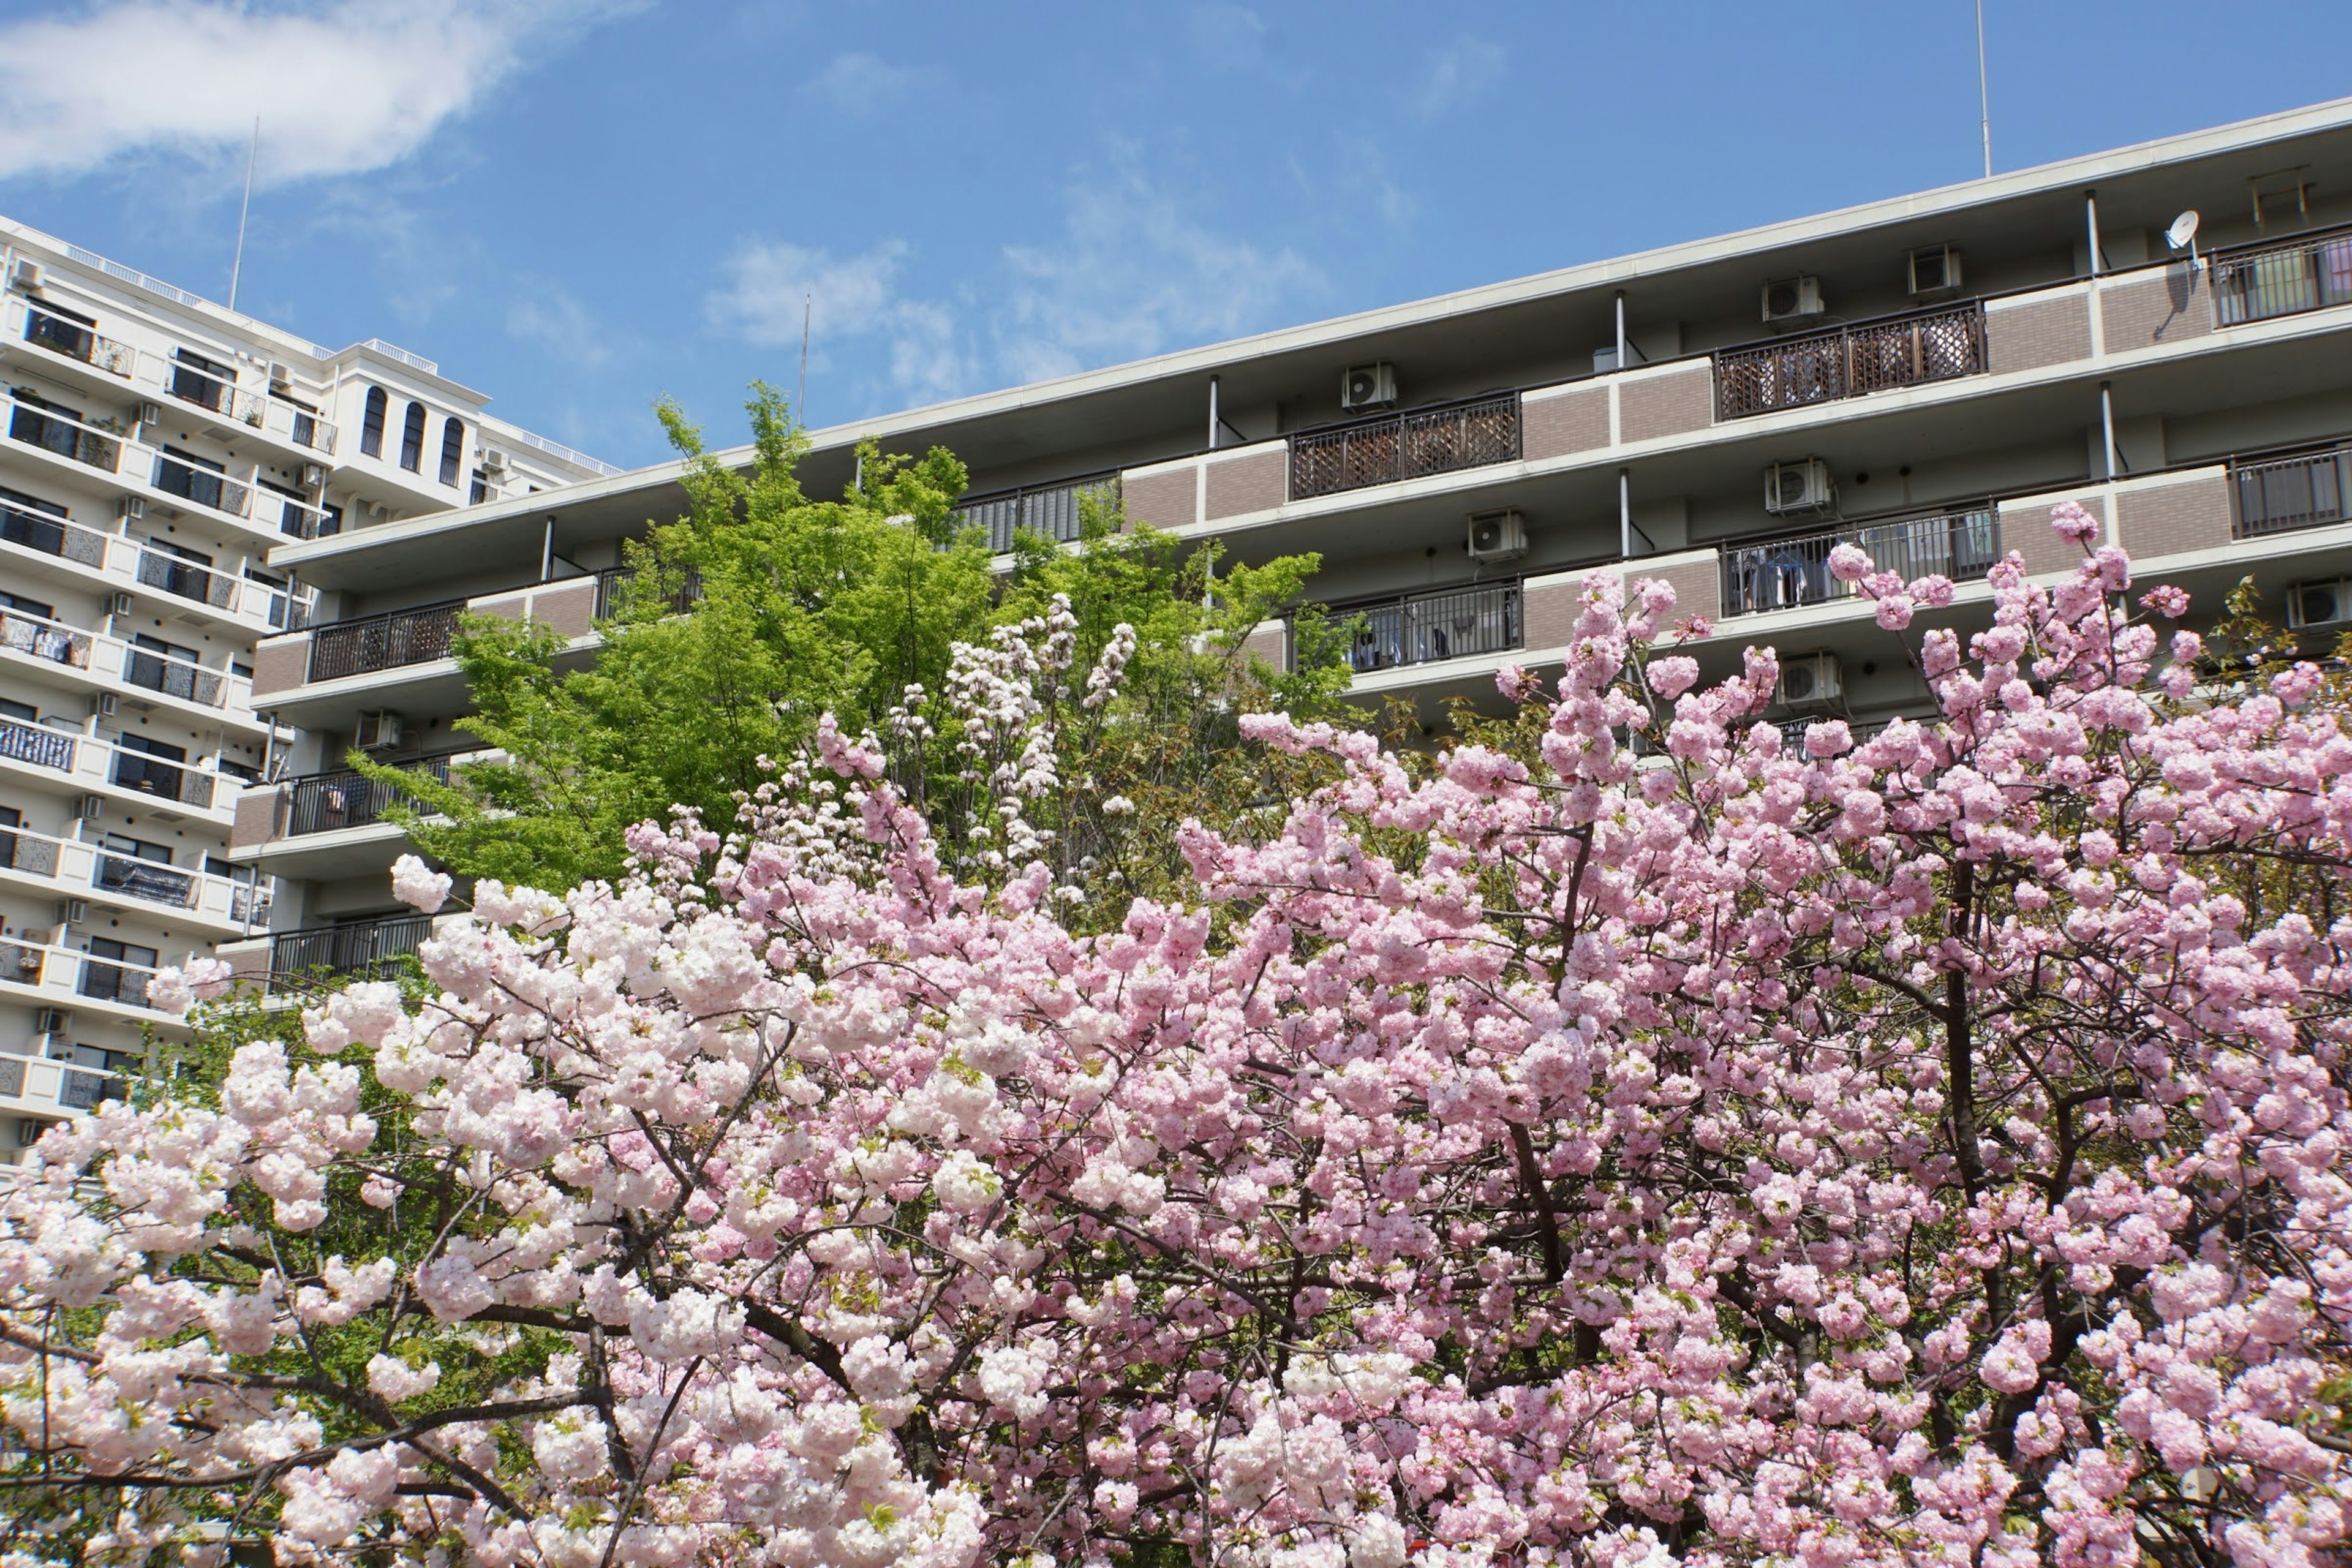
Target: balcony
[
  {"x": 44, "y": 639},
  {"x": 609, "y": 592},
  {"x": 41, "y": 1078},
  {"x": 148, "y": 880},
  {"x": 163, "y": 779},
  {"x": 1052, "y": 512},
  {"x": 38, "y": 744},
  {"x": 186, "y": 580},
  {"x": 38, "y": 425},
  {"x": 78, "y": 341},
  {"x": 361, "y": 948},
  {"x": 1426, "y": 629},
  {"x": 215, "y": 393},
  {"x": 384, "y": 642},
  {"x": 2278, "y": 495},
  {"x": 2257, "y": 283},
  {"x": 109, "y": 980},
  {"x": 1850, "y": 361},
  {"x": 307, "y": 430},
  {"x": 1395, "y": 447},
  {"x": 1793, "y": 570},
  {"x": 203, "y": 487},
  {"x": 172, "y": 677},
  {"x": 52, "y": 536},
  {"x": 328, "y": 802}
]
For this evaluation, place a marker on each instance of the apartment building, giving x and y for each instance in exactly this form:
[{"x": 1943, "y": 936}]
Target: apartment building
[
  {"x": 158, "y": 447},
  {"x": 1925, "y": 376}
]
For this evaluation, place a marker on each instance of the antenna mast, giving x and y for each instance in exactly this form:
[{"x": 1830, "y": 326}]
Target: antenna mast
[
  {"x": 243, "y": 209},
  {"x": 800, "y": 399},
  {"x": 1984, "y": 91}
]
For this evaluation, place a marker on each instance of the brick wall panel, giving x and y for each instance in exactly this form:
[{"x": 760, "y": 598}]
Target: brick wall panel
[
  {"x": 1573, "y": 422},
  {"x": 1673, "y": 404},
  {"x": 2025, "y": 529},
  {"x": 1258, "y": 482},
  {"x": 1697, "y": 584},
  {"x": 1548, "y": 610},
  {"x": 1270, "y": 642},
  {"x": 570, "y": 610},
  {"x": 281, "y": 664},
  {"x": 506, "y": 606},
  {"x": 255, "y": 822},
  {"x": 2168, "y": 306},
  {"x": 2038, "y": 332},
  {"x": 1166, "y": 500},
  {"x": 2176, "y": 519},
  {"x": 248, "y": 962}
]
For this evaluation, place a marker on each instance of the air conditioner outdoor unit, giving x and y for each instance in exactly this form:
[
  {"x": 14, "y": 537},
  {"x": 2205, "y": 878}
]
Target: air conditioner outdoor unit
[
  {"x": 50, "y": 1021},
  {"x": 313, "y": 476},
  {"x": 1368, "y": 385},
  {"x": 494, "y": 459},
  {"x": 2325, "y": 603},
  {"x": 29, "y": 1131},
  {"x": 1810, "y": 681},
  {"x": 1792, "y": 300},
  {"x": 151, "y": 414},
  {"x": 133, "y": 507},
  {"x": 1791, "y": 488},
  {"x": 72, "y": 911},
  {"x": 1935, "y": 272},
  {"x": 280, "y": 375},
  {"x": 102, "y": 705},
  {"x": 91, "y": 808},
  {"x": 120, "y": 604},
  {"x": 379, "y": 731},
  {"x": 24, "y": 275},
  {"x": 1497, "y": 536}
]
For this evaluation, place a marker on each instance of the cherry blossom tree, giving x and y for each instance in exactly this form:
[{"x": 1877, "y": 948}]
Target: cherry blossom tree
[{"x": 1675, "y": 1137}]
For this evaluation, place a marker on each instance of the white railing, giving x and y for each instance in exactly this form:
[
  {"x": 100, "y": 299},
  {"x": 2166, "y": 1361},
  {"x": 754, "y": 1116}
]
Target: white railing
[
  {"x": 90, "y": 445},
  {"x": 394, "y": 352},
  {"x": 54, "y": 642},
  {"x": 201, "y": 487},
  {"x": 90, "y": 762},
  {"x": 78, "y": 341},
  {"x": 127, "y": 881},
  {"x": 45, "y": 974},
  {"x": 220, "y": 393},
  {"x": 46, "y": 1080},
  {"x": 119, "y": 560},
  {"x": 557, "y": 449},
  {"x": 116, "y": 269}
]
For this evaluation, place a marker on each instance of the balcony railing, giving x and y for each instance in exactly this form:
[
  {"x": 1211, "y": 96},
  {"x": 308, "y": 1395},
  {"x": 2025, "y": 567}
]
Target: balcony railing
[
  {"x": 37, "y": 744},
  {"x": 1396, "y": 446},
  {"x": 2255, "y": 282},
  {"x": 1793, "y": 570},
  {"x": 684, "y": 598},
  {"x": 219, "y": 394},
  {"x": 163, "y": 779},
  {"x": 1054, "y": 511},
  {"x": 145, "y": 879},
  {"x": 52, "y": 536},
  {"x": 109, "y": 980},
  {"x": 186, "y": 579},
  {"x": 387, "y": 641},
  {"x": 44, "y": 639},
  {"x": 322, "y": 803},
  {"x": 172, "y": 677},
  {"x": 60, "y": 334},
  {"x": 68, "y": 437},
  {"x": 1423, "y": 629},
  {"x": 2278, "y": 495},
  {"x": 361, "y": 948},
  {"x": 31, "y": 853},
  {"x": 203, "y": 486},
  {"x": 1850, "y": 362}
]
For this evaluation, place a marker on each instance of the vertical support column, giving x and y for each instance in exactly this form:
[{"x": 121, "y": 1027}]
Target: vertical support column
[
  {"x": 2107, "y": 427},
  {"x": 547, "y": 550},
  {"x": 1620, "y": 330},
  {"x": 1625, "y": 514},
  {"x": 1213, "y": 420},
  {"x": 2091, "y": 219}
]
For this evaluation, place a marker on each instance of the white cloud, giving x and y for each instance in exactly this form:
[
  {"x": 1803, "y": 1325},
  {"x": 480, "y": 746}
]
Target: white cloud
[
  {"x": 553, "y": 317},
  {"x": 1457, "y": 73},
  {"x": 343, "y": 88},
  {"x": 1230, "y": 36},
  {"x": 771, "y": 282},
  {"x": 860, "y": 83},
  {"x": 1134, "y": 275}
]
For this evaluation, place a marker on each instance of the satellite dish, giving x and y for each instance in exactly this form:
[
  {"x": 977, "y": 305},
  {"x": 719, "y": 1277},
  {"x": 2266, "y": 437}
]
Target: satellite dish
[{"x": 2183, "y": 232}]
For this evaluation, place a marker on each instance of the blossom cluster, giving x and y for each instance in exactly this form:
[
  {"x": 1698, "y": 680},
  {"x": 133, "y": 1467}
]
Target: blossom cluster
[{"x": 1689, "y": 1138}]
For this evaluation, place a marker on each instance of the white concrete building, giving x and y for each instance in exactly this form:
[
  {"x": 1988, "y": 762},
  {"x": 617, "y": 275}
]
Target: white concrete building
[{"x": 154, "y": 447}]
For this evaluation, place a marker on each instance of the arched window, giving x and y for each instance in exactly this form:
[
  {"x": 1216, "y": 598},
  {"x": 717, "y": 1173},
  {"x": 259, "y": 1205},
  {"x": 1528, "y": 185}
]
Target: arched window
[
  {"x": 453, "y": 450},
  {"x": 372, "y": 424},
  {"x": 412, "y": 439}
]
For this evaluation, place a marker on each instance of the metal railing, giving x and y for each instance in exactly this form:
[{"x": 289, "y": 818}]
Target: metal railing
[
  {"x": 219, "y": 394},
  {"x": 52, "y": 536},
  {"x": 307, "y": 430},
  {"x": 384, "y": 641},
  {"x": 609, "y": 592},
  {"x": 1394, "y": 447},
  {"x": 557, "y": 449},
  {"x": 1423, "y": 629},
  {"x": 2279, "y": 495},
  {"x": 2284, "y": 278},
  {"x": 186, "y": 579},
  {"x": 361, "y": 948},
  {"x": 1850, "y": 361},
  {"x": 44, "y": 639},
  {"x": 163, "y": 779},
  {"x": 203, "y": 486},
  {"x": 37, "y": 744},
  {"x": 1793, "y": 570},
  {"x": 172, "y": 676},
  {"x": 1054, "y": 511},
  {"x": 73, "y": 339},
  {"x": 110, "y": 980},
  {"x": 149, "y": 880},
  {"x": 65, "y": 436},
  {"x": 322, "y": 803}
]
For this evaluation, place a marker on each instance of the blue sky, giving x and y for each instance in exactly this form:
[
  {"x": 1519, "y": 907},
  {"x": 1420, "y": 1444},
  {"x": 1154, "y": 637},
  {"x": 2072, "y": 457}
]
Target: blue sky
[{"x": 576, "y": 205}]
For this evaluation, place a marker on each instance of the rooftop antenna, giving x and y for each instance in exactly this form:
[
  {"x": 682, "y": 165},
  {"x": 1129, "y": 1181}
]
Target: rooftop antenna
[
  {"x": 1984, "y": 92},
  {"x": 800, "y": 398},
  {"x": 2183, "y": 236},
  {"x": 238, "y": 265}
]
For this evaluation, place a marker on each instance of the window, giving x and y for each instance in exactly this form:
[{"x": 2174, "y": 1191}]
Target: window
[
  {"x": 183, "y": 473},
  {"x": 18, "y": 498},
  {"x": 372, "y": 424},
  {"x": 412, "y": 439},
  {"x": 54, "y": 327},
  {"x": 294, "y": 510},
  {"x": 453, "y": 450},
  {"x": 24, "y": 606},
  {"x": 23, "y": 712},
  {"x": 481, "y": 491},
  {"x": 200, "y": 381}
]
